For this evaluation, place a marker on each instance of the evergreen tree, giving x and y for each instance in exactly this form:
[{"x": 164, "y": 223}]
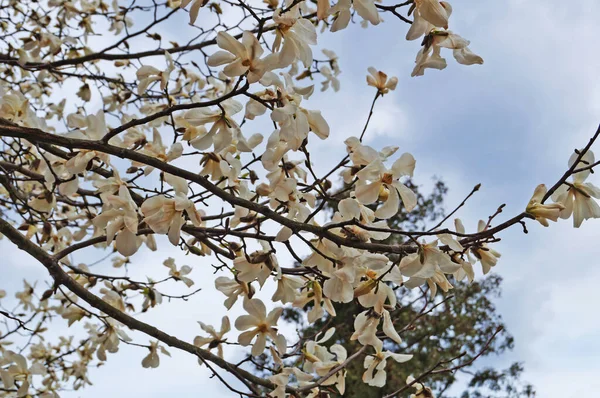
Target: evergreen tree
[{"x": 461, "y": 322}]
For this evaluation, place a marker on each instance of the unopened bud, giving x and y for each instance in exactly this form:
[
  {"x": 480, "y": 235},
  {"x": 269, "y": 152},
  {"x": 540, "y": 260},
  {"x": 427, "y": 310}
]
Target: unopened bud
[{"x": 47, "y": 294}]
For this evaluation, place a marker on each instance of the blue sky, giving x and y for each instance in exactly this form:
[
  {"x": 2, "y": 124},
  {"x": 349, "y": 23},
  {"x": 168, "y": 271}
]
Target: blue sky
[{"x": 509, "y": 124}]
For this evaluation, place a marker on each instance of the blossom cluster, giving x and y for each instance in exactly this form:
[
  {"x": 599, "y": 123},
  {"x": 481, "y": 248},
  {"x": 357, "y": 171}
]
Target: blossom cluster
[{"x": 153, "y": 145}]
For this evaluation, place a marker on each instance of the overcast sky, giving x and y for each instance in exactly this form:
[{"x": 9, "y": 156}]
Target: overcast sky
[{"x": 509, "y": 124}]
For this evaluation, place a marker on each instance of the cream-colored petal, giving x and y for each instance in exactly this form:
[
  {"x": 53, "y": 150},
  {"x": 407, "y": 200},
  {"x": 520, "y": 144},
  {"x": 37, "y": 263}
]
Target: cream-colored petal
[{"x": 220, "y": 58}]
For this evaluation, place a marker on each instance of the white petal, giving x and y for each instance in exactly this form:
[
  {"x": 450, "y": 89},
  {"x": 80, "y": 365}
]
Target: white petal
[
  {"x": 388, "y": 328},
  {"x": 220, "y": 58},
  {"x": 391, "y": 205},
  {"x": 127, "y": 243},
  {"x": 408, "y": 197}
]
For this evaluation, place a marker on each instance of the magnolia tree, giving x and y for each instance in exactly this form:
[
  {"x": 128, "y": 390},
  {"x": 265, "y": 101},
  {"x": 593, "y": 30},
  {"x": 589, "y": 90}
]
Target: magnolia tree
[{"x": 112, "y": 137}]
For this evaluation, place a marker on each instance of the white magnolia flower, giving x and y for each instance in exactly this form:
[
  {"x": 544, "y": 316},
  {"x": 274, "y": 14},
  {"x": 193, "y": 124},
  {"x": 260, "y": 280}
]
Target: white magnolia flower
[
  {"x": 120, "y": 219},
  {"x": 19, "y": 372},
  {"x": 294, "y": 122},
  {"x": 282, "y": 380},
  {"x": 380, "y": 81},
  {"x": 288, "y": 287},
  {"x": 428, "y": 14},
  {"x": 148, "y": 74},
  {"x": 90, "y": 127},
  {"x": 341, "y": 11},
  {"x": 375, "y": 364},
  {"x": 315, "y": 353},
  {"x": 373, "y": 294},
  {"x": 465, "y": 270},
  {"x": 429, "y": 56},
  {"x": 59, "y": 241},
  {"x": 110, "y": 185},
  {"x": 438, "y": 279},
  {"x": 296, "y": 34},
  {"x": 429, "y": 265},
  {"x": 465, "y": 56},
  {"x": 14, "y": 106},
  {"x": 351, "y": 209},
  {"x": 323, "y": 368},
  {"x": 215, "y": 339},
  {"x": 257, "y": 266},
  {"x": 339, "y": 266},
  {"x": 364, "y": 8},
  {"x": 365, "y": 329},
  {"x": 112, "y": 296},
  {"x": 487, "y": 257},
  {"x": 367, "y": 322},
  {"x": 256, "y": 108},
  {"x": 79, "y": 163},
  {"x": 120, "y": 23},
  {"x": 224, "y": 130},
  {"x": 339, "y": 286},
  {"x": 330, "y": 79},
  {"x": 543, "y": 212},
  {"x": 578, "y": 198},
  {"x": 420, "y": 390},
  {"x": 25, "y": 297},
  {"x": 233, "y": 288},
  {"x": 333, "y": 60},
  {"x": 260, "y": 324},
  {"x": 107, "y": 339},
  {"x": 241, "y": 58},
  {"x": 242, "y": 215},
  {"x": 231, "y": 169},
  {"x": 73, "y": 314},
  {"x": 367, "y": 11},
  {"x": 165, "y": 215},
  {"x": 152, "y": 298},
  {"x": 361, "y": 155},
  {"x": 286, "y": 168},
  {"x": 152, "y": 360},
  {"x": 314, "y": 294},
  {"x": 375, "y": 179},
  {"x": 179, "y": 275},
  {"x": 43, "y": 202},
  {"x": 157, "y": 149}
]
